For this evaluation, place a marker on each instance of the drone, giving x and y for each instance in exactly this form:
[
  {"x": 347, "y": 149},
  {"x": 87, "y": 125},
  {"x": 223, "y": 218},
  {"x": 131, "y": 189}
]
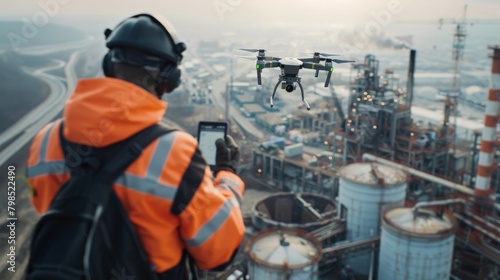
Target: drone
[{"x": 290, "y": 66}]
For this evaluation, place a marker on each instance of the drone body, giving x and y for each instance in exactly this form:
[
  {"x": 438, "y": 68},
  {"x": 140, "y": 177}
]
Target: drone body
[{"x": 290, "y": 67}]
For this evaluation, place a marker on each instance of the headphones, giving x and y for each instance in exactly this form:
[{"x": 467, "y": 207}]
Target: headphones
[{"x": 148, "y": 48}]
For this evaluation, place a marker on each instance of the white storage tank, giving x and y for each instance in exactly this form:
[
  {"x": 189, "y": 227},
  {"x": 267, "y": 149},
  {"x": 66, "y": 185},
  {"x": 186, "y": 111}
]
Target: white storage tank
[
  {"x": 364, "y": 190},
  {"x": 416, "y": 245},
  {"x": 276, "y": 254}
]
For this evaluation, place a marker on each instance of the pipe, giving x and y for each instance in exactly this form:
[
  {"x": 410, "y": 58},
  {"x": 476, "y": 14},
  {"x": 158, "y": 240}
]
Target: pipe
[
  {"x": 409, "y": 82},
  {"x": 353, "y": 244},
  {"x": 307, "y": 205},
  {"x": 421, "y": 174},
  {"x": 437, "y": 203},
  {"x": 477, "y": 227},
  {"x": 488, "y": 141},
  {"x": 461, "y": 188}
]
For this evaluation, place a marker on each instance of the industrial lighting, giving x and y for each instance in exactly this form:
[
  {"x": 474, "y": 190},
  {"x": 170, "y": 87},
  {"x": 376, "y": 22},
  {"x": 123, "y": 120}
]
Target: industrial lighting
[
  {"x": 382, "y": 103},
  {"x": 326, "y": 142},
  {"x": 354, "y": 110},
  {"x": 374, "y": 127},
  {"x": 352, "y": 129},
  {"x": 412, "y": 134},
  {"x": 259, "y": 170}
]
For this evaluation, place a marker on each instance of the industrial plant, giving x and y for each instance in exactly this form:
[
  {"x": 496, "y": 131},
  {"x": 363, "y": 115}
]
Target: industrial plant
[
  {"x": 383, "y": 165},
  {"x": 364, "y": 189}
]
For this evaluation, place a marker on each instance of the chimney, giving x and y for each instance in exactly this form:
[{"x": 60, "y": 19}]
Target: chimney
[
  {"x": 409, "y": 82},
  {"x": 488, "y": 141}
]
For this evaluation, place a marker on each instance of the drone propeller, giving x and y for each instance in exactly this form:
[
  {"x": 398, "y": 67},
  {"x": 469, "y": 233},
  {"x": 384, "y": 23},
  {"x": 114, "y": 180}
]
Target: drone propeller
[
  {"x": 342, "y": 61},
  {"x": 259, "y": 50},
  {"x": 247, "y": 57},
  {"x": 321, "y": 54},
  {"x": 253, "y": 50},
  {"x": 273, "y": 58}
]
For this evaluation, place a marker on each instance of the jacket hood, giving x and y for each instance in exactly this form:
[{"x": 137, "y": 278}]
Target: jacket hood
[{"x": 104, "y": 111}]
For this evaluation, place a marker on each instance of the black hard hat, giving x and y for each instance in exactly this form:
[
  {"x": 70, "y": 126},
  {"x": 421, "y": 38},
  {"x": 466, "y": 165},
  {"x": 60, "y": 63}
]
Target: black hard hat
[{"x": 147, "y": 33}]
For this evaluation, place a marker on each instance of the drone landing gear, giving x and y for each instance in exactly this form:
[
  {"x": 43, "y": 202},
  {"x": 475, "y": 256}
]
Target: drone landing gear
[
  {"x": 301, "y": 92},
  {"x": 274, "y": 92},
  {"x": 303, "y": 99}
]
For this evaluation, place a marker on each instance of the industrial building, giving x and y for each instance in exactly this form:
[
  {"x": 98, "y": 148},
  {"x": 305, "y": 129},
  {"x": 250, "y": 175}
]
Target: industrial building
[{"x": 405, "y": 202}]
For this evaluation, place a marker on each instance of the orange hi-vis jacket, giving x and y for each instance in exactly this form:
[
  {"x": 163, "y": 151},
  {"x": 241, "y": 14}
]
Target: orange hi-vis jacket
[{"x": 168, "y": 192}]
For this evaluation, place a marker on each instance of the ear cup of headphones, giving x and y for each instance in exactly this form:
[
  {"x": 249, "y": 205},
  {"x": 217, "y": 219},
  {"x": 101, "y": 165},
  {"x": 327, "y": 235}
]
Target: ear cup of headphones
[
  {"x": 107, "y": 65},
  {"x": 168, "y": 79}
]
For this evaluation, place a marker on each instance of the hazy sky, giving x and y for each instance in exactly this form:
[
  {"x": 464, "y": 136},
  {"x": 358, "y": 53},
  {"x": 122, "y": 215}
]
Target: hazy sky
[{"x": 261, "y": 11}]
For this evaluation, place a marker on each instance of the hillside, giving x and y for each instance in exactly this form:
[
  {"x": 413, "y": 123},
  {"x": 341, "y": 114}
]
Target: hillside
[
  {"x": 19, "y": 34},
  {"x": 19, "y": 92}
]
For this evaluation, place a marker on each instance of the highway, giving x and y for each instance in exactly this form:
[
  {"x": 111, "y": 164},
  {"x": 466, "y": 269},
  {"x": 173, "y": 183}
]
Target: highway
[
  {"x": 56, "y": 48},
  {"x": 26, "y": 127},
  {"x": 219, "y": 92},
  {"x": 56, "y": 91}
]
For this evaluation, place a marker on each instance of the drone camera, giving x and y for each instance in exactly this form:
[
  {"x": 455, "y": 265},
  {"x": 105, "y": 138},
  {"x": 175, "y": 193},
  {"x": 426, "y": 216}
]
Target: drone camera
[{"x": 288, "y": 87}]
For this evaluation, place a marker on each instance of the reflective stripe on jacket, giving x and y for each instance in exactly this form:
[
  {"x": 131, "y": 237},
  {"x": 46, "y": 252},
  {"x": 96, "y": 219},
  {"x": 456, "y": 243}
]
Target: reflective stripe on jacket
[{"x": 168, "y": 192}]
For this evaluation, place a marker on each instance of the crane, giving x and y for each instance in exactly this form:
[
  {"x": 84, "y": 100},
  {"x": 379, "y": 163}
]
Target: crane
[{"x": 451, "y": 102}]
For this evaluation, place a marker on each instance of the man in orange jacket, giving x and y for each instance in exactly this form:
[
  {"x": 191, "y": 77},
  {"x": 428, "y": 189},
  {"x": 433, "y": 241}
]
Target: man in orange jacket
[{"x": 169, "y": 193}]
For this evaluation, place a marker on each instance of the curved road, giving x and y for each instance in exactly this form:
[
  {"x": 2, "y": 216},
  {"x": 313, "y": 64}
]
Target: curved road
[{"x": 26, "y": 128}]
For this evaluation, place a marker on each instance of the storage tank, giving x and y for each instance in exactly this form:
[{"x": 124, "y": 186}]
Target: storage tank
[
  {"x": 416, "y": 245},
  {"x": 293, "y": 211},
  {"x": 276, "y": 254},
  {"x": 365, "y": 189}
]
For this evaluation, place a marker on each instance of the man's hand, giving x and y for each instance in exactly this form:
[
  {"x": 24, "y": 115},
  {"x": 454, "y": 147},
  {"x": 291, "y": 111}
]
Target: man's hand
[{"x": 227, "y": 156}]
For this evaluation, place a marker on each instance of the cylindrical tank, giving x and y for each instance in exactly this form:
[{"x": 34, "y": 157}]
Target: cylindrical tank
[
  {"x": 416, "y": 245},
  {"x": 287, "y": 210},
  {"x": 276, "y": 254},
  {"x": 365, "y": 189}
]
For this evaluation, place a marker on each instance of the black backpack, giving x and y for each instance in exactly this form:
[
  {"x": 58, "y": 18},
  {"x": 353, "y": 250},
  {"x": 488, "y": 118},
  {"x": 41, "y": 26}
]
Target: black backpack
[{"x": 86, "y": 234}]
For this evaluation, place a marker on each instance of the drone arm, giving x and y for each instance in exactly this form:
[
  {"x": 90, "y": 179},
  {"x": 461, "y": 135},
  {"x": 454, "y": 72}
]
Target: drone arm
[
  {"x": 314, "y": 66},
  {"x": 311, "y": 65},
  {"x": 328, "y": 77},
  {"x": 272, "y": 64},
  {"x": 259, "y": 76},
  {"x": 261, "y": 65}
]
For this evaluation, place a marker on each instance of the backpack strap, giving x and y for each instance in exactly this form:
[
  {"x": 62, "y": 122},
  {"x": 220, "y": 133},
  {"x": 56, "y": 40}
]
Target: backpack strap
[{"x": 110, "y": 162}]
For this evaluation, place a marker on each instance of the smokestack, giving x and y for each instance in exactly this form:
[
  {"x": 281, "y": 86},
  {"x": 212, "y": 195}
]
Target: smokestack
[
  {"x": 411, "y": 74},
  {"x": 488, "y": 141}
]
